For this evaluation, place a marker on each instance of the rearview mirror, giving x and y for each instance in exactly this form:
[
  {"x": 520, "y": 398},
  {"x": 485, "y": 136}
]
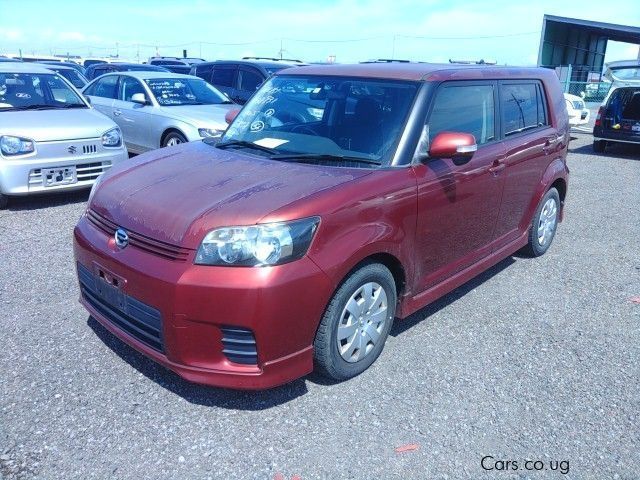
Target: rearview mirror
[
  {"x": 456, "y": 145},
  {"x": 231, "y": 115},
  {"x": 139, "y": 98}
]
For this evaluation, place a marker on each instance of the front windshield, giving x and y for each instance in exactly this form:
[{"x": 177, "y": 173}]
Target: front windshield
[
  {"x": 76, "y": 79},
  {"x": 331, "y": 116},
  {"x": 184, "y": 91},
  {"x": 36, "y": 91}
]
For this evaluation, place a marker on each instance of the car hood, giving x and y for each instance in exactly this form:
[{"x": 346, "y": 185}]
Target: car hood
[
  {"x": 178, "y": 194},
  {"x": 52, "y": 125},
  {"x": 200, "y": 115}
]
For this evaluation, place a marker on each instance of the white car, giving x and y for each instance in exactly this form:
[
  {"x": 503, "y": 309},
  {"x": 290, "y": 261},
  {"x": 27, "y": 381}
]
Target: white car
[
  {"x": 578, "y": 112},
  {"x": 50, "y": 137},
  {"x": 159, "y": 109}
]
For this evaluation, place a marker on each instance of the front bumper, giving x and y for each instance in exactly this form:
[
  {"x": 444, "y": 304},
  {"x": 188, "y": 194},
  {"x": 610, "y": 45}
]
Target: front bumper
[
  {"x": 281, "y": 306},
  {"x": 22, "y": 175}
]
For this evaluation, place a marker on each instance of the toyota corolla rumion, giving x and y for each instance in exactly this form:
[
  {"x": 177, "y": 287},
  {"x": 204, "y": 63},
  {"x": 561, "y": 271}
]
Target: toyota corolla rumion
[{"x": 339, "y": 200}]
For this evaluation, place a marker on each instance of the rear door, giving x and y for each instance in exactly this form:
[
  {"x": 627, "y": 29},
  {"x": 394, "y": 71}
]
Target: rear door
[
  {"x": 225, "y": 79},
  {"x": 458, "y": 204},
  {"x": 102, "y": 94},
  {"x": 249, "y": 80},
  {"x": 530, "y": 140}
]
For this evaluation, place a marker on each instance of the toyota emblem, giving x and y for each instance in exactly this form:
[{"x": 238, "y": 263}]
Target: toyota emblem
[{"x": 121, "y": 237}]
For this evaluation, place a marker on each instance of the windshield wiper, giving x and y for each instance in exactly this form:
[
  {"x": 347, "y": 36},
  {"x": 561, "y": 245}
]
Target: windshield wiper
[
  {"x": 30, "y": 107},
  {"x": 245, "y": 144},
  {"x": 310, "y": 157}
]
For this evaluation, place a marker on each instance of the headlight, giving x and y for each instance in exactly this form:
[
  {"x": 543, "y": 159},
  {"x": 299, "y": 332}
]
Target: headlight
[
  {"x": 112, "y": 138},
  {"x": 15, "y": 145},
  {"x": 257, "y": 245},
  {"x": 210, "y": 132}
]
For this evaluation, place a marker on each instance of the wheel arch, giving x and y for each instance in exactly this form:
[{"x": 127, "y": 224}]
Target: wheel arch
[{"x": 169, "y": 130}]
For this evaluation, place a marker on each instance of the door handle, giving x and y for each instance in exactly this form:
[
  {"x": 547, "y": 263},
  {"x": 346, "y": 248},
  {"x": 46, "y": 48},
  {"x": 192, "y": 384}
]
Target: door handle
[
  {"x": 497, "y": 167},
  {"x": 117, "y": 113}
]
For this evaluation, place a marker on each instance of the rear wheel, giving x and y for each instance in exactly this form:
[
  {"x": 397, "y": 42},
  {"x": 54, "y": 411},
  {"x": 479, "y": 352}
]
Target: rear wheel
[
  {"x": 356, "y": 324},
  {"x": 599, "y": 146},
  {"x": 4, "y": 200},
  {"x": 544, "y": 224},
  {"x": 173, "y": 138}
]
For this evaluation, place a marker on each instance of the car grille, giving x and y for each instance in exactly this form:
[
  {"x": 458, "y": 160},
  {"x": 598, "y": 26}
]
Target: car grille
[
  {"x": 239, "y": 345},
  {"x": 89, "y": 149},
  {"x": 141, "y": 321},
  {"x": 142, "y": 242},
  {"x": 84, "y": 172}
]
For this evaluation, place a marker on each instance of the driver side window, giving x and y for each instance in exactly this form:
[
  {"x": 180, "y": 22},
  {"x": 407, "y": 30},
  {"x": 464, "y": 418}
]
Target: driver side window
[
  {"x": 466, "y": 109},
  {"x": 129, "y": 87}
]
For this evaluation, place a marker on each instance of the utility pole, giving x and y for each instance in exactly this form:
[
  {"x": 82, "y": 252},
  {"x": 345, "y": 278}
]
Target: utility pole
[
  {"x": 138, "y": 52},
  {"x": 117, "y": 50},
  {"x": 393, "y": 50}
]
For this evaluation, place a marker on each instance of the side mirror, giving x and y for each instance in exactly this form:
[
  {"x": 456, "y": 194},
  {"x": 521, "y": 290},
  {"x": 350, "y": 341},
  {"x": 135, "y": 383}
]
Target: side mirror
[
  {"x": 87, "y": 99},
  {"x": 139, "y": 98},
  {"x": 456, "y": 145},
  {"x": 231, "y": 115}
]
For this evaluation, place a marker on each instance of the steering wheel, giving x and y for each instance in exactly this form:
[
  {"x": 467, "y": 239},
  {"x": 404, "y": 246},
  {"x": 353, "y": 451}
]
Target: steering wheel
[{"x": 304, "y": 129}]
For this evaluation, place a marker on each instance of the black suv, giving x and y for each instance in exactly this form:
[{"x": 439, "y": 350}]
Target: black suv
[
  {"x": 97, "y": 69},
  {"x": 239, "y": 79}
]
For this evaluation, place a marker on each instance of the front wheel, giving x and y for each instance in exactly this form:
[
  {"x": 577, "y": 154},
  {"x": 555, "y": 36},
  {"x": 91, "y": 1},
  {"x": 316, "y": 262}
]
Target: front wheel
[
  {"x": 356, "y": 324},
  {"x": 173, "y": 138},
  {"x": 544, "y": 224}
]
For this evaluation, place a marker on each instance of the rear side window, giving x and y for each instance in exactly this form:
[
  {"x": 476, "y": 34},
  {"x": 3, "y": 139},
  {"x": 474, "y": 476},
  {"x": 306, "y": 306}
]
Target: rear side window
[
  {"x": 250, "y": 80},
  {"x": 223, "y": 77},
  {"x": 464, "y": 108},
  {"x": 105, "y": 87},
  {"x": 204, "y": 71},
  {"x": 523, "y": 107}
]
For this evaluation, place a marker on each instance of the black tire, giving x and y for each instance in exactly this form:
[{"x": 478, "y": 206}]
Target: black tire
[
  {"x": 4, "y": 201},
  {"x": 535, "y": 248},
  {"x": 599, "y": 146},
  {"x": 173, "y": 138},
  {"x": 327, "y": 358}
]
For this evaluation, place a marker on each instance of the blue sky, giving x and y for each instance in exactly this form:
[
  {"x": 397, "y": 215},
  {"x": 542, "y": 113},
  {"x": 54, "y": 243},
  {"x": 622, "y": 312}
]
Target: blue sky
[{"x": 506, "y": 31}]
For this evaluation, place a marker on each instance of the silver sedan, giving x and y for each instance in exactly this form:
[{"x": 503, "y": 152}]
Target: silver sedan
[{"x": 158, "y": 109}]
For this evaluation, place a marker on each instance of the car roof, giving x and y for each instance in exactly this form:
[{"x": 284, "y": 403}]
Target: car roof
[
  {"x": 145, "y": 75},
  {"x": 23, "y": 67},
  {"x": 60, "y": 66},
  {"x": 421, "y": 71},
  {"x": 260, "y": 63}
]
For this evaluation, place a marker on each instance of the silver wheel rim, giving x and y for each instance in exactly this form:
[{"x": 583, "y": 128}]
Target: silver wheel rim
[
  {"x": 547, "y": 222},
  {"x": 362, "y": 322},
  {"x": 173, "y": 141}
]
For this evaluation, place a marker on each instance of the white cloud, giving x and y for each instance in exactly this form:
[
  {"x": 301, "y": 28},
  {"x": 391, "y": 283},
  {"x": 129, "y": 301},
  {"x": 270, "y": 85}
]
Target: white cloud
[{"x": 11, "y": 34}]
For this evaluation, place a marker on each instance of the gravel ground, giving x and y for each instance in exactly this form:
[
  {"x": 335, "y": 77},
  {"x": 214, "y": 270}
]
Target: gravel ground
[{"x": 534, "y": 359}]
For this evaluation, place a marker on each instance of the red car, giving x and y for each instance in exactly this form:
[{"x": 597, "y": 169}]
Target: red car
[{"x": 340, "y": 198}]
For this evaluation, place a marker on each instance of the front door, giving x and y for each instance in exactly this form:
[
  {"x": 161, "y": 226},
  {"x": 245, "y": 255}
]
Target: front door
[
  {"x": 458, "y": 203},
  {"x": 102, "y": 94},
  {"x": 133, "y": 118}
]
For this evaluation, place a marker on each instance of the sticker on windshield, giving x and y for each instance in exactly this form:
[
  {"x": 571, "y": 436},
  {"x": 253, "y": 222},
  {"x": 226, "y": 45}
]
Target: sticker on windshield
[
  {"x": 269, "y": 113},
  {"x": 271, "y": 142},
  {"x": 257, "y": 126}
]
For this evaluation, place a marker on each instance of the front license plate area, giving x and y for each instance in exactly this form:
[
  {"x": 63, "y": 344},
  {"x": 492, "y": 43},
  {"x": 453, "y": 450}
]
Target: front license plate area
[
  {"x": 52, "y": 177},
  {"x": 110, "y": 294}
]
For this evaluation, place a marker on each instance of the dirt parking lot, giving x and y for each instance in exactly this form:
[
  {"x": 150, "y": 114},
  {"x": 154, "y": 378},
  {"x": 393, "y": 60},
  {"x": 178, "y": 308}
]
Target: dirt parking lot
[{"x": 536, "y": 359}]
